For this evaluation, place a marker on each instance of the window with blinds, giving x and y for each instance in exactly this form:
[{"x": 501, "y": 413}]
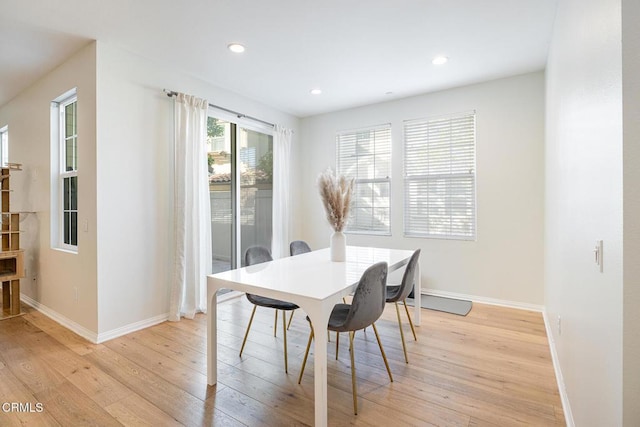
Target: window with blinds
[
  {"x": 439, "y": 177},
  {"x": 365, "y": 155}
]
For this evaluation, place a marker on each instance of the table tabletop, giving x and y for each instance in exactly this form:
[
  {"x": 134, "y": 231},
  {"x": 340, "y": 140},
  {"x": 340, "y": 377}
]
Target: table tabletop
[{"x": 312, "y": 275}]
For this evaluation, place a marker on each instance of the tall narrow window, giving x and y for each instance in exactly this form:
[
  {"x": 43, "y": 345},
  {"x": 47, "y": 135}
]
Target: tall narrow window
[
  {"x": 365, "y": 155},
  {"x": 439, "y": 181},
  {"x": 66, "y": 113},
  {"x": 4, "y": 145}
]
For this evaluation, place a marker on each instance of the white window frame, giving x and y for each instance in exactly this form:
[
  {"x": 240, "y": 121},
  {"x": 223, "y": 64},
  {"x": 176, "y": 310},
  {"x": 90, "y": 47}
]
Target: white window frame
[
  {"x": 440, "y": 177},
  {"x": 381, "y": 155},
  {"x": 59, "y": 139},
  {"x": 4, "y": 145}
]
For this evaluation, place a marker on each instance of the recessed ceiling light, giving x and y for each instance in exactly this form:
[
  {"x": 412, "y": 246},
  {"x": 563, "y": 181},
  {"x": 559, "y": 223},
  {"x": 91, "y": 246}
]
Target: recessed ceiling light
[
  {"x": 439, "y": 60},
  {"x": 236, "y": 48},
  {"x": 316, "y": 91}
]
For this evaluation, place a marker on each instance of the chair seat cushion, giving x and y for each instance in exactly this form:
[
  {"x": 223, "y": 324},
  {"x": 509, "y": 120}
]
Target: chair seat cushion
[
  {"x": 337, "y": 318},
  {"x": 271, "y": 303}
]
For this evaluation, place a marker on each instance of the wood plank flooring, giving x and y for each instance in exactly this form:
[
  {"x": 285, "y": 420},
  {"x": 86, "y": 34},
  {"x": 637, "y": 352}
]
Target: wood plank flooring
[{"x": 490, "y": 368}]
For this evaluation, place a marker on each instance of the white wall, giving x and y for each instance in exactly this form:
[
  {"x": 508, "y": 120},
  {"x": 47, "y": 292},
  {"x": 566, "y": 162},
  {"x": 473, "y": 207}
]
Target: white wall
[
  {"x": 125, "y": 137},
  {"x": 583, "y": 203},
  {"x": 631, "y": 210},
  {"x": 135, "y": 180},
  {"x": 52, "y": 274},
  {"x": 505, "y": 263}
]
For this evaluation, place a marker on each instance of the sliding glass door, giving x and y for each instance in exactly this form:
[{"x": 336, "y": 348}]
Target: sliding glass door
[{"x": 240, "y": 161}]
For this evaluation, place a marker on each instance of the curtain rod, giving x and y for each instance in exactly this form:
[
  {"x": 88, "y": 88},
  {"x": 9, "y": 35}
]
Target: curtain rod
[{"x": 171, "y": 93}]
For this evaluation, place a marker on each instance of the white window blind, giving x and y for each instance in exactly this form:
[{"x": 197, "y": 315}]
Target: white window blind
[
  {"x": 439, "y": 181},
  {"x": 365, "y": 155}
]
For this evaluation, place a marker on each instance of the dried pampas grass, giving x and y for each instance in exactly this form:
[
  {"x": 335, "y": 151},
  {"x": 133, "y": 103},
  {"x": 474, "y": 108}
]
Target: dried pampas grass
[{"x": 335, "y": 193}]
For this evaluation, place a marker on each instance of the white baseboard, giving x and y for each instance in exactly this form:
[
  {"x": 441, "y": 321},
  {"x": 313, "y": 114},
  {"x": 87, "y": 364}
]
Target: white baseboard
[
  {"x": 132, "y": 327},
  {"x": 484, "y": 300},
  {"x": 59, "y": 318},
  {"x": 566, "y": 407},
  {"x": 86, "y": 333}
]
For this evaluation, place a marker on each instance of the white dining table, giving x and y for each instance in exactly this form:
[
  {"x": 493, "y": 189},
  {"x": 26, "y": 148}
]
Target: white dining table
[{"x": 313, "y": 282}]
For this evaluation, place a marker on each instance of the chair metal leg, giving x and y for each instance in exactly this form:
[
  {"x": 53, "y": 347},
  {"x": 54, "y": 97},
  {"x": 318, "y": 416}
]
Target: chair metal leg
[
  {"x": 337, "y": 343},
  {"x": 284, "y": 331},
  {"x": 404, "y": 346},
  {"x": 353, "y": 374},
  {"x": 415, "y": 338},
  {"x": 290, "y": 319},
  {"x": 275, "y": 324},
  {"x": 384, "y": 356},
  {"x": 246, "y": 334},
  {"x": 306, "y": 354}
]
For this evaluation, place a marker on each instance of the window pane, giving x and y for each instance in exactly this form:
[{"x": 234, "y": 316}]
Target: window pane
[
  {"x": 70, "y": 154},
  {"x": 255, "y": 161},
  {"x": 66, "y": 204},
  {"x": 70, "y": 120},
  {"x": 219, "y": 160},
  {"x": 73, "y": 193},
  {"x": 74, "y": 228},
  {"x": 70, "y": 137},
  {"x": 365, "y": 155},
  {"x": 66, "y": 228}
]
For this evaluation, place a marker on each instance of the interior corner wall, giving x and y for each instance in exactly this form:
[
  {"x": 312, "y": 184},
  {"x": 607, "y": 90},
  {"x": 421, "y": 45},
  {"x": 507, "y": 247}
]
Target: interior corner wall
[
  {"x": 631, "y": 210},
  {"x": 55, "y": 277},
  {"x": 505, "y": 263},
  {"x": 135, "y": 181},
  {"x": 583, "y": 204}
]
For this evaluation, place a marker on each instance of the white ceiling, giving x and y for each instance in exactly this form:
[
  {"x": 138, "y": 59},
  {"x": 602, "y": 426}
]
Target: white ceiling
[{"x": 354, "y": 50}]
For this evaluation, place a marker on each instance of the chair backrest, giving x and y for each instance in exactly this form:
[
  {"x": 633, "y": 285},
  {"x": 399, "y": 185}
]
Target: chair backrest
[
  {"x": 369, "y": 298},
  {"x": 257, "y": 255},
  {"x": 298, "y": 247},
  {"x": 408, "y": 279}
]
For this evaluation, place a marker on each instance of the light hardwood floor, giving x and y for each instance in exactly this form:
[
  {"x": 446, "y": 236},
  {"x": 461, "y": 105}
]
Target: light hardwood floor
[{"x": 490, "y": 368}]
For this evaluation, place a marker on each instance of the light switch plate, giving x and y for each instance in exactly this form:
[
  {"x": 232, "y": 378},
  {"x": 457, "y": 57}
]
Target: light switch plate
[{"x": 599, "y": 255}]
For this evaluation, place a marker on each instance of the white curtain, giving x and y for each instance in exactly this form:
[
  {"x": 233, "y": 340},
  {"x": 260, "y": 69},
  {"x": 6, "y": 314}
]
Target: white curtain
[
  {"x": 191, "y": 209},
  {"x": 281, "y": 191}
]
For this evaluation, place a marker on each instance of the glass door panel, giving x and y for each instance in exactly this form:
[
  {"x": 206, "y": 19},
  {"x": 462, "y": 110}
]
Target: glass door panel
[
  {"x": 240, "y": 162},
  {"x": 255, "y": 164},
  {"x": 219, "y": 159}
]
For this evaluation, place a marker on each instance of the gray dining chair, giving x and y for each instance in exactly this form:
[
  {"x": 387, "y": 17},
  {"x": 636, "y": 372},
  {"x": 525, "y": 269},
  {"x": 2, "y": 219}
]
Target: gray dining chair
[
  {"x": 297, "y": 247},
  {"x": 366, "y": 307},
  {"x": 257, "y": 255},
  {"x": 396, "y": 293}
]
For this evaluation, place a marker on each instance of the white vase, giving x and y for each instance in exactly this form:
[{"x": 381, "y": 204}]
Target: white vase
[{"x": 338, "y": 246}]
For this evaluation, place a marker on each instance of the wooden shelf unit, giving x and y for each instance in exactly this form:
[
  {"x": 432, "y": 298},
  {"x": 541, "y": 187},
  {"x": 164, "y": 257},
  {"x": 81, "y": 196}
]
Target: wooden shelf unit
[{"x": 11, "y": 256}]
